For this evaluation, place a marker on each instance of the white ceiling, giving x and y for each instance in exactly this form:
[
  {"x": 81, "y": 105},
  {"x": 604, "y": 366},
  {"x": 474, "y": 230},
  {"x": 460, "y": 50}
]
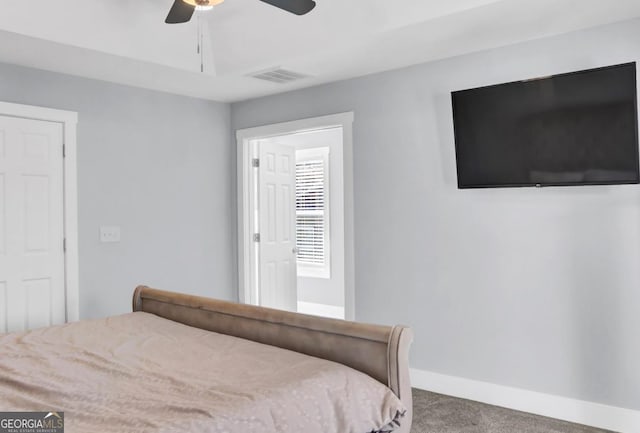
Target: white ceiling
[{"x": 126, "y": 41}]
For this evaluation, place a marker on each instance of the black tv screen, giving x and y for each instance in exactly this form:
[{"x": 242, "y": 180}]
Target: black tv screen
[{"x": 571, "y": 129}]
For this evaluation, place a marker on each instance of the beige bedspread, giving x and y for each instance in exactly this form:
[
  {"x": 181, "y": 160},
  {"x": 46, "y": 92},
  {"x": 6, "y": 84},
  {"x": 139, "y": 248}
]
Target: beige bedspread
[{"x": 142, "y": 373}]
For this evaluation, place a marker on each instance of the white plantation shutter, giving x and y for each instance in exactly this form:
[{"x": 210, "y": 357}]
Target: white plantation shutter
[
  {"x": 312, "y": 231},
  {"x": 310, "y": 211}
]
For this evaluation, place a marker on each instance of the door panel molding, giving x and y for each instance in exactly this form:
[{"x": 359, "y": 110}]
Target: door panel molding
[
  {"x": 244, "y": 137},
  {"x": 68, "y": 120},
  {"x": 276, "y": 183}
]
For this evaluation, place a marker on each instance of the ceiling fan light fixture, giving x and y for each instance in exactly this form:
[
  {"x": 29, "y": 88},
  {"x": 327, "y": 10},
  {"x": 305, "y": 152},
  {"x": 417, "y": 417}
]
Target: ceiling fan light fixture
[{"x": 203, "y": 5}]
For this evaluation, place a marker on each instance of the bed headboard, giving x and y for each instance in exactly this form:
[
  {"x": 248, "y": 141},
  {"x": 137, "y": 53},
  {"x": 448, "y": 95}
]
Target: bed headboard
[{"x": 382, "y": 352}]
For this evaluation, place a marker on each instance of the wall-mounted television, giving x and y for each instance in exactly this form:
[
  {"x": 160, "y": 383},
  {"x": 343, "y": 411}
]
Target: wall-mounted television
[{"x": 579, "y": 128}]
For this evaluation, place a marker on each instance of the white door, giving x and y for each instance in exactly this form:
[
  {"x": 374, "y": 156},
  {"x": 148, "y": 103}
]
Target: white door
[
  {"x": 32, "y": 288},
  {"x": 277, "y": 216}
]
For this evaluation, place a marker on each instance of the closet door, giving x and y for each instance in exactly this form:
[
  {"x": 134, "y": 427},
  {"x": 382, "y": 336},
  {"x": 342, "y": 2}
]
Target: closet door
[{"x": 32, "y": 287}]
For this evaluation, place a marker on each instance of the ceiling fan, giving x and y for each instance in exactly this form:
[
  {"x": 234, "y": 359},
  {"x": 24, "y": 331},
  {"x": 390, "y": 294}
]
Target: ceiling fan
[{"x": 182, "y": 10}]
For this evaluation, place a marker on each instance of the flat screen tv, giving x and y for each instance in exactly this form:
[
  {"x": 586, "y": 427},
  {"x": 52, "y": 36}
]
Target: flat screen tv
[{"x": 571, "y": 129}]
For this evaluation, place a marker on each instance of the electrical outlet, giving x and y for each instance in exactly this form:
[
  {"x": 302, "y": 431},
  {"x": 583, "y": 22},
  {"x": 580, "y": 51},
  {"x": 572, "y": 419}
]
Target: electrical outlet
[{"x": 110, "y": 234}]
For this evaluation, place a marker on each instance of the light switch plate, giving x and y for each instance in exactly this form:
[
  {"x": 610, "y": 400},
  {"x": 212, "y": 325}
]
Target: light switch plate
[{"x": 110, "y": 234}]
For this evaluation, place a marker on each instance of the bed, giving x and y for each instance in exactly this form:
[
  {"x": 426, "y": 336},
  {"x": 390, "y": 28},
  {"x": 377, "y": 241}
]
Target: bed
[{"x": 181, "y": 363}]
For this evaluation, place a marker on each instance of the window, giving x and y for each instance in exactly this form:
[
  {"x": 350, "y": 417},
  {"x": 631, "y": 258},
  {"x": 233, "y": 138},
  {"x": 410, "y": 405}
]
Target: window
[{"x": 312, "y": 212}]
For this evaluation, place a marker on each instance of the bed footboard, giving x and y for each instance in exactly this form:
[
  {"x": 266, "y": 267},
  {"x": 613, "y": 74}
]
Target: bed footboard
[{"x": 382, "y": 352}]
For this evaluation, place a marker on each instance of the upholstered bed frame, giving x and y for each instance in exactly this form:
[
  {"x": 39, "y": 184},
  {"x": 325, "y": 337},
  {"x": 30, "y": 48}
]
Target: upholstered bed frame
[{"x": 379, "y": 351}]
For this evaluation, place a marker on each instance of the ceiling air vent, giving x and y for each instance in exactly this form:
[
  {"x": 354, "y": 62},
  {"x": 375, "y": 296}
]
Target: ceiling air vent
[{"x": 280, "y": 76}]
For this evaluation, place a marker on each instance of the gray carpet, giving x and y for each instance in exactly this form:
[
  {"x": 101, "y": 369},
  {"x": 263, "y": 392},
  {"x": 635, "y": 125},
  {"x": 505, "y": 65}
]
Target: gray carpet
[{"x": 435, "y": 413}]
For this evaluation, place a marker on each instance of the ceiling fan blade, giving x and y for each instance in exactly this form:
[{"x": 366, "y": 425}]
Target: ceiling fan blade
[
  {"x": 180, "y": 12},
  {"x": 298, "y": 7}
]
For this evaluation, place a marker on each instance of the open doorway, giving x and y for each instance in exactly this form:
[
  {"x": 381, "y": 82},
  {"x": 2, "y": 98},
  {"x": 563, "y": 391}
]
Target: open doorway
[{"x": 295, "y": 210}]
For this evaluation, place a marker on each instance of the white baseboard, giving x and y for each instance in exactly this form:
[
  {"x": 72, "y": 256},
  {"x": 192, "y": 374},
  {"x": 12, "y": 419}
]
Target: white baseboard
[{"x": 567, "y": 409}]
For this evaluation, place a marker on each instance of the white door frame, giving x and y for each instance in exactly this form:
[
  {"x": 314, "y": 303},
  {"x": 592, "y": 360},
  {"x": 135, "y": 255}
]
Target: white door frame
[
  {"x": 69, "y": 120},
  {"x": 246, "y": 247}
]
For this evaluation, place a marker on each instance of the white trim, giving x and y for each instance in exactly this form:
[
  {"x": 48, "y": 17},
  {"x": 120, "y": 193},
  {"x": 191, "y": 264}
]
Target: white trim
[
  {"x": 69, "y": 120},
  {"x": 296, "y": 126},
  {"x": 552, "y": 406},
  {"x": 245, "y": 243}
]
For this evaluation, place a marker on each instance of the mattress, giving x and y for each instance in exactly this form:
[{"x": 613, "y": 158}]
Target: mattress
[{"x": 141, "y": 373}]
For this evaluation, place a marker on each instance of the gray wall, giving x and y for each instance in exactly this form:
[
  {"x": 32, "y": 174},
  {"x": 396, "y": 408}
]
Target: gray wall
[
  {"x": 156, "y": 164},
  {"x": 538, "y": 289}
]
